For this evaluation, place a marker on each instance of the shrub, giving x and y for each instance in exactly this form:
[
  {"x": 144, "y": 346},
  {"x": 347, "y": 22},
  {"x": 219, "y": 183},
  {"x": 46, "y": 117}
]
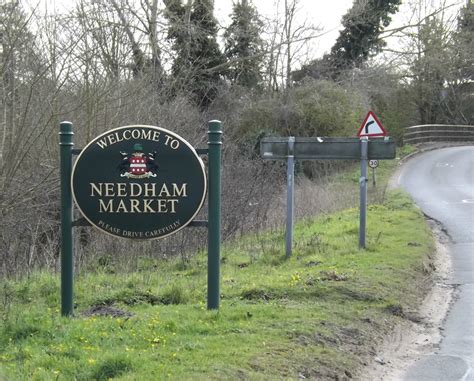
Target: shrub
[{"x": 110, "y": 368}]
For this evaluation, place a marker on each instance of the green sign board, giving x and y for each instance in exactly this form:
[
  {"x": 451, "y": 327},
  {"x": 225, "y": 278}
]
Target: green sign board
[
  {"x": 139, "y": 182},
  {"x": 325, "y": 148}
]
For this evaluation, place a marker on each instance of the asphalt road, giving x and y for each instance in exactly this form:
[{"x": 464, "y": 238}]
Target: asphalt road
[{"x": 442, "y": 184}]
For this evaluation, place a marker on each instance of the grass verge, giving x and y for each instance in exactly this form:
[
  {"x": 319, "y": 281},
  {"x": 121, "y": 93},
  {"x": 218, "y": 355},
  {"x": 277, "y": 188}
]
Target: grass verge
[{"x": 318, "y": 315}]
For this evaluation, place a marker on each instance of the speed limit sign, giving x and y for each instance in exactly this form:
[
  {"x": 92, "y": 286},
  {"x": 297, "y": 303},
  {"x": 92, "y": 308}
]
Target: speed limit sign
[{"x": 373, "y": 163}]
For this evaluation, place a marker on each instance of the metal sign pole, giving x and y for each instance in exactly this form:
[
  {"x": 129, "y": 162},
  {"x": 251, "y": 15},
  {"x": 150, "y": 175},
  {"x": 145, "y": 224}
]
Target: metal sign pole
[
  {"x": 327, "y": 148},
  {"x": 67, "y": 263},
  {"x": 364, "y": 144},
  {"x": 214, "y": 228},
  {"x": 290, "y": 196}
]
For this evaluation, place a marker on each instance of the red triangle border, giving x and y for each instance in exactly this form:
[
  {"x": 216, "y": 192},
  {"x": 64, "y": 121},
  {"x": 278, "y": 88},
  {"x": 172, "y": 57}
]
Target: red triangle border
[{"x": 365, "y": 121}]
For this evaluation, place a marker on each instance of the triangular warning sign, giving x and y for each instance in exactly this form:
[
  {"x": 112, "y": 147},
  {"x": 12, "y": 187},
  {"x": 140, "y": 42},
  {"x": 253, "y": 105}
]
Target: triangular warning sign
[{"x": 371, "y": 127}]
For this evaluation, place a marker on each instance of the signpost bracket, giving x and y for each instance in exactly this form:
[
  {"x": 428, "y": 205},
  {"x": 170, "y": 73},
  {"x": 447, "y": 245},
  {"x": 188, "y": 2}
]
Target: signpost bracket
[
  {"x": 81, "y": 222},
  {"x": 198, "y": 223},
  {"x": 202, "y": 151}
]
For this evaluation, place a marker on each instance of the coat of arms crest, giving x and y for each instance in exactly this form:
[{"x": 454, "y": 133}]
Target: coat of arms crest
[{"x": 138, "y": 165}]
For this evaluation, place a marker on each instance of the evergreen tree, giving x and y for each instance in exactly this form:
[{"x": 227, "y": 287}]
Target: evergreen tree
[
  {"x": 461, "y": 84},
  {"x": 464, "y": 41},
  {"x": 19, "y": 59},
  {"x": 193, "y": 30},
  {"x": 360, "y": 38},
  {"x": 430, "y": 70},
  {"x": 441, "y": 73},
  {"x": 244, "y": 46}
]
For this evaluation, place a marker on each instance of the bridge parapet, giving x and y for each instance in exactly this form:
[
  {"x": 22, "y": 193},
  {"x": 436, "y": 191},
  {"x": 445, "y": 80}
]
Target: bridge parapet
[{"x": 438, "y": 132}]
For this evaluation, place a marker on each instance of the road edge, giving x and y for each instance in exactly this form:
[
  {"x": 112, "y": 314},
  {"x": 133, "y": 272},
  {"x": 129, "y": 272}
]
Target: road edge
[{"x": 413, "y": 340}]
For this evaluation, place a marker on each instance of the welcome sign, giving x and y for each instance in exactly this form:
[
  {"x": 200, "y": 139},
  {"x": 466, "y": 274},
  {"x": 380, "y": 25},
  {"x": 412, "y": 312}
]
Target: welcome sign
[{"x": 139, "y": 182}]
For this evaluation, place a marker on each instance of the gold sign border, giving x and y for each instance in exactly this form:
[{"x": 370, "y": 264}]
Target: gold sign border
[{"x": 161, "y": 129}]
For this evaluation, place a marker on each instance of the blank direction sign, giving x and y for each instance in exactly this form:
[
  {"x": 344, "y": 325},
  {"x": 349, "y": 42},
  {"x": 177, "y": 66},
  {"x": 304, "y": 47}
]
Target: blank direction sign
[
  {"x": 326, "y": 148},
  {"x": 291, "y": 149}
]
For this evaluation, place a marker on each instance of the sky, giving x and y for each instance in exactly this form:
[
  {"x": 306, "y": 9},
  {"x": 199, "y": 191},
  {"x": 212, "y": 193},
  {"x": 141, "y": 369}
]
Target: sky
[
  {"x": 315, "y": 12},
  {"x": 327, "y": 15},
  {"x": 319, "y": 13},
  {"x": 323, "y": 14}
]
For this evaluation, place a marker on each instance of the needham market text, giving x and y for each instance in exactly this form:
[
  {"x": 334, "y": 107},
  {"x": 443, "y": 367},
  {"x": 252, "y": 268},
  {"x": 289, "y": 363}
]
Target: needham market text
[{"x": 138, "y": 198}]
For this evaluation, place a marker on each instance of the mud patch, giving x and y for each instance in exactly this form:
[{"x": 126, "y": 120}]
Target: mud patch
[
  {"x": 323, "y": 373},
  {"x": 130, "y": 298},
  {"x": 102, "y": 310},
  {"x": 258, "y": 294},
  {"x": 333, "y": 275}
]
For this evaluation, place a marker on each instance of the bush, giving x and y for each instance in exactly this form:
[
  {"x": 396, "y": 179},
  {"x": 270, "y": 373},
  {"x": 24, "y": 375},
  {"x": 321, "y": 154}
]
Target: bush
[
  {"x": 316, "y": 108},
  {"x": 175, "y": 294},
  {"x": 326, "y": 109},
  {"x": 111, "y": 368}
]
